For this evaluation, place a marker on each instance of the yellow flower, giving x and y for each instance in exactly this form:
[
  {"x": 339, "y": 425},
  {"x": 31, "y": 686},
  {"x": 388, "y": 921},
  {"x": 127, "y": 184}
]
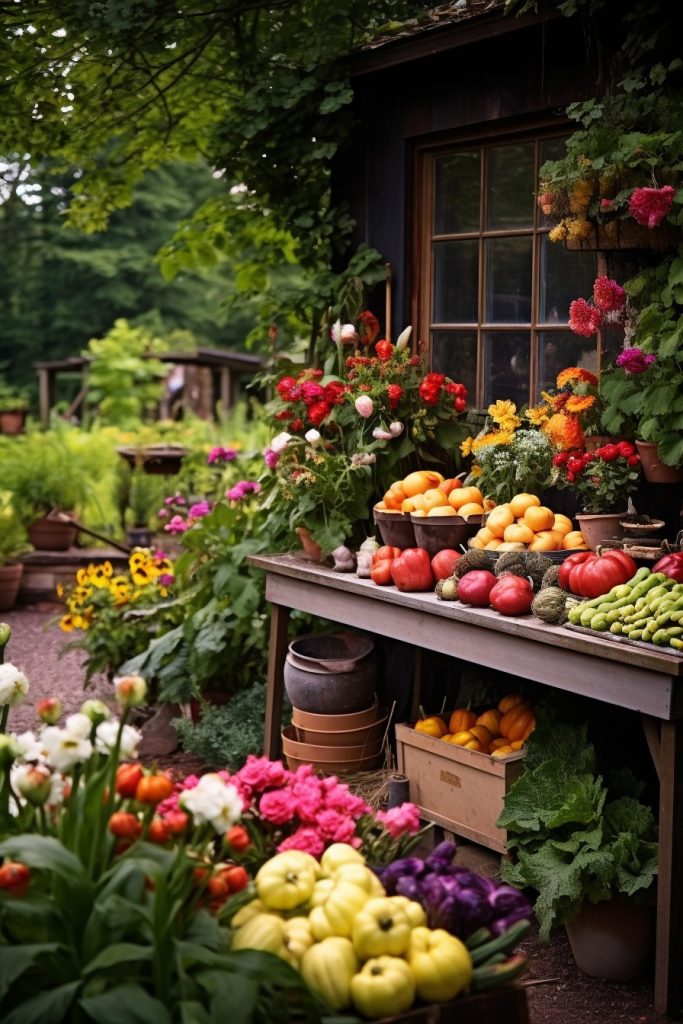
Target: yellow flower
[
  {"x": 67, "y": 623},
  {"x": 82, "y": 576},
  {"x": 574, "y": 375},
  {"x": 466, "y": 446},
  {"x": 496, "y": 437},
  {"x": 60, "y": 590},
  {"x": 475, "y": 471},
  {"x": 99, "y": 576},
  {"x": 559, "y": 232},
  {"x": 537, "y": 415},
  {"x": 142, "y": 575},
  {"x": 504, "y": 412}
]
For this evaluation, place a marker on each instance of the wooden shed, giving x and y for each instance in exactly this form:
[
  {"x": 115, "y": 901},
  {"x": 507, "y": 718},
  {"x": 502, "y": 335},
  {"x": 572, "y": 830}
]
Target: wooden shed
[{"x": 454, "y": 119}]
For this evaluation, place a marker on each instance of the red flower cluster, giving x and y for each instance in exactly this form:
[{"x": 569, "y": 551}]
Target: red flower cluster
[
  {"x": 609, "y": 299},
  {"x": 574, "y": 463},
  {"x": 649, "y": 206},
  {"x": 433, "y": 384},
  {"x": 310, "y": 401}
]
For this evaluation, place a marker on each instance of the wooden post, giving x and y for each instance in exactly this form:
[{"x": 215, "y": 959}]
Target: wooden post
[
  {"x": 387, "y": 304},
  {"x": 45, "y": 394},
  {"x": 275, "y": 685},
  {"x": 669, "y": 949}
]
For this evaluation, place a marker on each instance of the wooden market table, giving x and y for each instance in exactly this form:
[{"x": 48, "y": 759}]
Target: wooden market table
[{"x": 648, "y": 682}]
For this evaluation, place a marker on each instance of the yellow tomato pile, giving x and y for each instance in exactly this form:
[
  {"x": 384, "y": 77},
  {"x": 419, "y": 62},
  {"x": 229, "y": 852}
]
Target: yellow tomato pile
[
  {"x": 427, "y": 493},
  {"x": 498, "y": 731},
  {"x": 523, "y": 524},
  {"x": 354, "y": 945}
]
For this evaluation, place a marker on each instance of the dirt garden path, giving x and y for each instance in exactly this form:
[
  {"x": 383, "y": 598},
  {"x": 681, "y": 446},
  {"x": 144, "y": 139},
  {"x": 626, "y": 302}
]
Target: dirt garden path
[{"x": 558, "y": 992}]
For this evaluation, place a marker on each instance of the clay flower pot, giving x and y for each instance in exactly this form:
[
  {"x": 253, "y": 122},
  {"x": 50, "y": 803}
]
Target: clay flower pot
[
  {"x": 310, "y": 546},
  {"x": 600, "y": 527},
  {"x": 10, "y": 582},
  {"x": 613, "y": 939},
  {"x": 654, "y": 470}
]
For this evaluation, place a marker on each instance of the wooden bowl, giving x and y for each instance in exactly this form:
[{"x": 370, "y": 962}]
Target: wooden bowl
[
  {"x": 396, "y": 529},
  {"x": 434, "y": 533}
]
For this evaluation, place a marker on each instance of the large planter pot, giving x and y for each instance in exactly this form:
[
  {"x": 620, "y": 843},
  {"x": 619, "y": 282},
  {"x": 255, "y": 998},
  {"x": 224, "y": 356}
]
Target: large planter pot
[
  {"x": 10, "y": 581},
  {"x": 331, "y": 673},
  {"x": 654, "y": 470},
  {"x": 52, "y": 534},
  {"x": 614, "y": 939},
  {"x": 598, "y": 528}
]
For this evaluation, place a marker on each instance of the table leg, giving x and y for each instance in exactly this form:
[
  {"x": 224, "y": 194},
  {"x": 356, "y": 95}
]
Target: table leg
[
  {"x": 277, "y": 652},
  {"x": 669, "y": 950}
]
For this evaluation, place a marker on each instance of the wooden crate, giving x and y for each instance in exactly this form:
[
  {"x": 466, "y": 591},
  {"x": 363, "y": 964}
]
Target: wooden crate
[
  {"x": 461, "y": 790},
  {"x": 508, "y": 1003}
]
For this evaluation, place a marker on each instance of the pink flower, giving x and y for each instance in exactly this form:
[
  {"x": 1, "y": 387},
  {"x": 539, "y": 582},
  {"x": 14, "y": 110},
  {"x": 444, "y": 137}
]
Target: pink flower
[
  {"x": 309, "y": 798},
  {"x": 584, "y": 319},
  {"x": 176, "y": 525},
  {"x": 242, "y": 489},
  {"x": 649, "y": 206},
  {"x": 336, "y": 827},
  {"x": 306, "y": 839},
  {"x": 221, "y": 455},
  {"x": 634, "y": 360},
  {"x": 606, "y": 204},
  {"x": 163, "y": 513},
  {"x": 277, "y": 806},
  {"x": 167, "y": 579},
  {"x": 201, "y": 509},
  {"x": 608, "y": 295},
  {"x": 400, "y": 820},
  {"x": 312, "y": 392},
  {"x": 259, "y": 773},
  {"x": 339, "y": 797},
  {"x": 364, "y": 406},
  {"x": 270, "y": 458}
]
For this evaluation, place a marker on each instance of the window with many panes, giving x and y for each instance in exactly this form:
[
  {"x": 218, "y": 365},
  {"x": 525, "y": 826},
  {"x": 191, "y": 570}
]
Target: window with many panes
[{"x": 494, "y": 292}]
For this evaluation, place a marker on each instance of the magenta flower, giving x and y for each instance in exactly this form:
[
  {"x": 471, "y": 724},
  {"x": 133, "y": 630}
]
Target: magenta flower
[
  {"x": 260, "y": 772},
  {"x": 163, "y": 513},
  {"x": 608, "y": 295},
  {"x": 201, "y": 509},
  {"x": 242, "y": 489},
  {"x": 307, "y": 839},
  {"x": 399, "y": 820},
  {"x": 634, "y": 360},
  {"x": 584, "y": 319},
  {"x": 221, "y": 455},
  {"x": 649, "y": 206},
  {"x": 167, "y": 579},
  {"x": 271, "y": 458},
  {"x": 277, "y": 806},
  {"x": 176, "y": 525}
]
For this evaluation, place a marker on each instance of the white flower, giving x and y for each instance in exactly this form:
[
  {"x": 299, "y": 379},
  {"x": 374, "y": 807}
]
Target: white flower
[
  {"x": 31, "y": 746},
  {"x": 105, "y": 738},
  {"x": 78, "y": 725},
  {"x": 404, "y": 338},
  {"x": 382, "y": 435},
  {"x": 396, "y": 428},
  {"x": 13, "y": 685},
  {"x": 335, "y": 331},
  {"x": 64, "y": 749},
  {"x": 348, "y": 334},
  {"x": 312, "y": 436},
  {"x": 363, "y": 459},
  {"x": 364, "y": 406},
  {"x": 280, "y": 442},
  {"x": 214, "y": 801},
  {"x": 130, "y": 690}
]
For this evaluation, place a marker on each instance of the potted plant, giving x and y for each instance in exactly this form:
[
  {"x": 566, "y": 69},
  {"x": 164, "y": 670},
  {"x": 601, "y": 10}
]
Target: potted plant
[
  {"x": 13, "y": 410},
  {"x": 643, "y": 389},
  {"x": 603, "y": 480},
  {"x": 585, "y": 848},
  {"x": 48, "y": 483},
  {"x": 13, "y": 543}
]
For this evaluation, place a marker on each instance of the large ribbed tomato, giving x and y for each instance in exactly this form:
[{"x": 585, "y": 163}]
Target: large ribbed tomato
[{"x": 597, "y": 574}]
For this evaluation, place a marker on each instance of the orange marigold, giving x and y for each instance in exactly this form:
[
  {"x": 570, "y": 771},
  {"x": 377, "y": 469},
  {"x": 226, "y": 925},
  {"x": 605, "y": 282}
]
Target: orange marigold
[
  {"x": 580, "y": 403},
  {"x": 575, "y": 375},
  {"x": 564, "y": 431}
]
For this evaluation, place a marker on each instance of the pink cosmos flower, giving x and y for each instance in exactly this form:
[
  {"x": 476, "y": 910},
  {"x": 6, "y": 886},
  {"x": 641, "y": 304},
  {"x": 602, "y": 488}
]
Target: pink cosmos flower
[
  {"x": 400, "y": 820},
  {"x": 607, "y": 294},
  {"x": 649, "y": 206},
  {"x": 277, "y": 806},
  {"x": 634, "y": 360},
  {"x": 307, "y": 839},
  {"x": 584, "y": 319}
]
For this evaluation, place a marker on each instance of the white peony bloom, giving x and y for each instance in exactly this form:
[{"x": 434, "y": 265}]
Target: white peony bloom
[
  {"x": 214, "y": 801},
  {"x": 31, "y": 746},
  {"x": 79, "y": 725},
  {"x": 13, "y": 685},
  {"x": 64, "y": 749},
  {"x": 105, "y": 738},
  {"x": 312, "y": 436},
  {"x": 280, "y": 442}
]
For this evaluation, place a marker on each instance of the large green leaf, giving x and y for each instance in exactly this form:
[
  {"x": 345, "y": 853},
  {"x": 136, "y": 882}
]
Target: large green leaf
[
  {"x": 125, "y": 1003},
  {"x": 47, "y": 854},
  {"x": 14, "y": 960},
  {"x": 119, "y": 953},
  {"x": 51, "y": 1007}
]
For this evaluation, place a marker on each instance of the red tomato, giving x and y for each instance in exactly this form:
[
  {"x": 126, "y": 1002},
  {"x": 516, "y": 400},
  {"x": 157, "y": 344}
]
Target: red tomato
[
  {"x": 474, "y": 587},
  {"x": 127, "y": 778},
  {"x": 386, "y": 551},
  {"x": 158, "y": 831},
  {"x": 412, "y": 570},
  {"x": 510, "y": 579},
  {"x": 597, "y": 574},
  {"x": 511, "y": 599},
  {"x": 238, "y": 838},
  {"x": 380, "y": 573},
  {"x": 443, "y": 563},
  {"x": 671, "y": 565},
  {"x": 14, "y": 877},
  {"x": 568, "y": 565},
  {"x": 176, "y": 822},
  {"x": 125, "y": 825},
  {"x": 152, "y": 789},
  {"x": 236, "y": 876}
]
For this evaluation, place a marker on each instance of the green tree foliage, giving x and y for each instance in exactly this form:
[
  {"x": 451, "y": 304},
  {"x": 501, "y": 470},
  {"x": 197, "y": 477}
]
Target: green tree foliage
[
  {"x": 61, "y": 287},
  {"x": 122, "y": 87}
]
